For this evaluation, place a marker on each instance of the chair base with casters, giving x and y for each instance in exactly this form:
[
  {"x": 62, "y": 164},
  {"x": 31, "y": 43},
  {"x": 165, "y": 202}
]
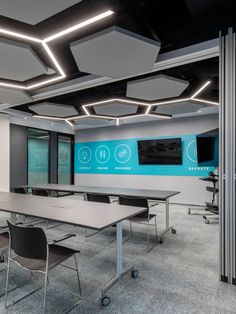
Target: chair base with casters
[{"x": 38, "y": 259}]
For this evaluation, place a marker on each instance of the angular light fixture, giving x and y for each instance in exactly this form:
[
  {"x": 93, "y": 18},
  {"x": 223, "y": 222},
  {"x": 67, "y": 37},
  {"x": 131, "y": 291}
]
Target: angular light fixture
[{"x": 48, "y": 50}]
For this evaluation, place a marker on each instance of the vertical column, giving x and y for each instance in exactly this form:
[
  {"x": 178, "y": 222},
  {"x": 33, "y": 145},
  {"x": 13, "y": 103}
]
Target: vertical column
[{"x": 227, "y": 158}]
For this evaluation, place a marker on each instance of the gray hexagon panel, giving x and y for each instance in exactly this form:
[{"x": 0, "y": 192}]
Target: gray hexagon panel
[
  {"x": 156, "y": 87},
  {"x": 13, "y": 96},
  {"x": 179, "y": 108},
  {"x": 115, "y": 109},
  {"x": 54, "y": 110},
  {"x": 115, "y": 52},
  {"x": 90, "y": 122},
  {"x": 33, "y": 11},
  {"x": 19, "y": 62}
]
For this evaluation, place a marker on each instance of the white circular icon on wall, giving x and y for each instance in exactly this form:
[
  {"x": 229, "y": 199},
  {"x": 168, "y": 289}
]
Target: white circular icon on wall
[
  {"x": 102, "y": 154},
  {"x": 84, "y": 154},
  {"x": 191, "y": 151},
  {"x": 122, "y": 153}
]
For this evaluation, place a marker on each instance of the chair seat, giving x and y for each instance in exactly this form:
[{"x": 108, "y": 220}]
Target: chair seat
[
  {"x": 4, "y": 240},
  {"x": 57, "y": 254},
  {"x": 143, "y": 218}
]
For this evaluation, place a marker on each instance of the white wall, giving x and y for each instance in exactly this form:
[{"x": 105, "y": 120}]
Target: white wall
[
  {"x": 193, "y": 190},
  {"x": 5, "y": 153}
]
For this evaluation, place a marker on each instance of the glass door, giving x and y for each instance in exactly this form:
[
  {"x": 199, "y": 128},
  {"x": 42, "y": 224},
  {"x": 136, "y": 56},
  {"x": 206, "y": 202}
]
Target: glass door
[
  {"x": 38, "y": 156},
  {"x": 64, "y": 159}
]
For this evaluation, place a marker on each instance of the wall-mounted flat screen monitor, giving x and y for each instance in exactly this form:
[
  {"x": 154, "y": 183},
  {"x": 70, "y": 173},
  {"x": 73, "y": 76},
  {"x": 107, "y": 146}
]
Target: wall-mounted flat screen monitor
[
  {"x": 208, "y": 148},
  {"x": 160, "y": 152}
]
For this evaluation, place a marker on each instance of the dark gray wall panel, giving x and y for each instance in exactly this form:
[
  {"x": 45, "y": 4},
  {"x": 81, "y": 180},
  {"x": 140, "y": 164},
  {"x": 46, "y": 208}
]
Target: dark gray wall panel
[{"x": 18, "y": 155}]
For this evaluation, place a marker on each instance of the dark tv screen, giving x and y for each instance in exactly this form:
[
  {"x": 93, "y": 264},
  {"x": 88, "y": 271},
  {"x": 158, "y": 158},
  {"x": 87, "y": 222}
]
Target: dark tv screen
[
  {"x": 205, "y": 149},
  {"x": 160, "y": 152},
  {"x": 208, "y": 148}
]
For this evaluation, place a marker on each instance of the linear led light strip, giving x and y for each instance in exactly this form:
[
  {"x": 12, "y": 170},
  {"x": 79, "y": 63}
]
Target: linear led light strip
[
  {"x": 47, "y": 49},
  {"x": 147, "y": 113},
  {"x": 193, "y": 97}
]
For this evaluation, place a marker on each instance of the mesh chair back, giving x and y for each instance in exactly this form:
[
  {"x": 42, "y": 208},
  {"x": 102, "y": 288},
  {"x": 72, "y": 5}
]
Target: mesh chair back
[
  {"x": 101, "y": 198},
  {"x": 40, "y": 192},
  {"x": 28, "y": 242},
  {"x": 137, "y": 202},
  {"x": 19, "y": 190}
]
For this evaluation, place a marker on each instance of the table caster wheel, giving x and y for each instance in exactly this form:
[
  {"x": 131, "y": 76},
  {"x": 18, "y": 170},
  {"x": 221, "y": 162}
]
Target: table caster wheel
[
  {"x": 134, "y": 273},
  {"x": 161, "y": 240},
  {"x": 105, "y": 300},
  {"x": 173, "y": 231},
  {"x": 189, "y": 211},
  {"x": 2, "y": 259}
]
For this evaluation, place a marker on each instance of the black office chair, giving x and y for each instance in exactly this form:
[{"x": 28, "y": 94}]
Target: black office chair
[
  {"x": 142, "y": 218},
  {"x": 45, "y": 193},
  {"x": 40, "y": 192},
  {"x": 4, "y": 243},
  {"x": 33, "y": 252},
  {"x": 19, "y": 190},
  {"x": 100, "y": 198}
]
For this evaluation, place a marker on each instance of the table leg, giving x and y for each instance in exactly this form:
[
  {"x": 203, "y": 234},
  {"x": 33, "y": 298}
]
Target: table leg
[
  {"x": 105, "y": 300},
  {"x": 168, "y": 227}
]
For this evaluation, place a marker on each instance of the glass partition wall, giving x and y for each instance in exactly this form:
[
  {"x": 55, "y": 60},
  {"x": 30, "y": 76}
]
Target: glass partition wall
[
  {"x": 50, "y": 157},
  {"x": 38, "y": 156},
  {"x": 64, "y": 159}
]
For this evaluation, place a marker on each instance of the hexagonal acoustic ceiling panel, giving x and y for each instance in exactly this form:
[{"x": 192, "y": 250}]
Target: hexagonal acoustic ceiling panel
[
  {"x": 13, "y": 96},
  {"x": 115, "y": 52},
  {"x": 93, "y": 122},
  {"x": 33, "y": 11},
  {"x": 115, "y": 109},
  {"x": 19, "y": 62},
  {"x": 179, "y": 108},
  {"x": 54, "y": 110},
  {"x": 156, "y": 87}
]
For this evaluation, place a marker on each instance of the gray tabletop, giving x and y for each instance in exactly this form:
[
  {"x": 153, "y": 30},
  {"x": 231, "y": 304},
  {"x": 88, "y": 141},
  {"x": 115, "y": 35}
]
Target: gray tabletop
[
  {"x": 149, "y": 194},
  {"x": 85, "y": 214}
]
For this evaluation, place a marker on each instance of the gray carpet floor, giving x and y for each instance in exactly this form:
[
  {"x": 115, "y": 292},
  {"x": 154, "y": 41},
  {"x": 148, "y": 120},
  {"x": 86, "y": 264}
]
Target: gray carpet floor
[{"x": 179, "y": 276}]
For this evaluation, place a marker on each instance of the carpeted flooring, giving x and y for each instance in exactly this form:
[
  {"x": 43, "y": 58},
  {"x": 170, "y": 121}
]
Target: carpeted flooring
[{"x": 180, "y": 276}]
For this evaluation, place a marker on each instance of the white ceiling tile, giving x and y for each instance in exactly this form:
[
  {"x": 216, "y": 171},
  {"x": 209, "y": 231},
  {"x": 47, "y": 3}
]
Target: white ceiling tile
[
  {"x": 13, "y": 96},
  {"x": 33, "y": 11},
  {"x": 115, "y": 52},
  {"x": 156, "y": 87},
  {"x": 19, "y": 62},
  {"x": 54, "y": 110}
]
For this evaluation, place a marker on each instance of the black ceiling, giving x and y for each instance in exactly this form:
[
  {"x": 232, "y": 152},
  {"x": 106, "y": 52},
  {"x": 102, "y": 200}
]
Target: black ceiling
[
  {"x": 196, "y": 74},
  {"x": 176, "y": 23}
]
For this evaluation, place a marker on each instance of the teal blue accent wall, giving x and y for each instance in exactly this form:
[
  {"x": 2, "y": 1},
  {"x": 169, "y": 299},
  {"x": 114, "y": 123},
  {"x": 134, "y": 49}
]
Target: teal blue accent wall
[{"x": 121, "y": 157}]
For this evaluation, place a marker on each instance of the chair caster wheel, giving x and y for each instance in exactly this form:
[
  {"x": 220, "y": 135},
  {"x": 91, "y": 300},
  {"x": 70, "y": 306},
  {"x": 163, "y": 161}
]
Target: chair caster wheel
[
  {"x": 105, "y": 301},
  {"x": 161, "y": 240},
  {"x": 2, "y": 259},
  {"x": 207, "y": 221},
  {"x": 173, "y": 231},
  {"x": 189, "y": 211},
  {"x": 134, "y": 273}
]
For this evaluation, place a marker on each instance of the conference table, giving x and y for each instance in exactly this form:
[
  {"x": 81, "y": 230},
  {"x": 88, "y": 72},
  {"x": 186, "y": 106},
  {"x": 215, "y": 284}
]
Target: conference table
[
  {"x": 158, "y": 195},
  {"x": 97, "y": 216}
]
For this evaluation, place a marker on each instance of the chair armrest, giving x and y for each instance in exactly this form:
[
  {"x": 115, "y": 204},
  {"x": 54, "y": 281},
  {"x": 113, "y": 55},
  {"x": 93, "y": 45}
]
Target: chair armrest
[
  {"x": 153, "y": 204},
  {"x": 3, "y": 227},
  {"x": 65, "y": 237}
]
